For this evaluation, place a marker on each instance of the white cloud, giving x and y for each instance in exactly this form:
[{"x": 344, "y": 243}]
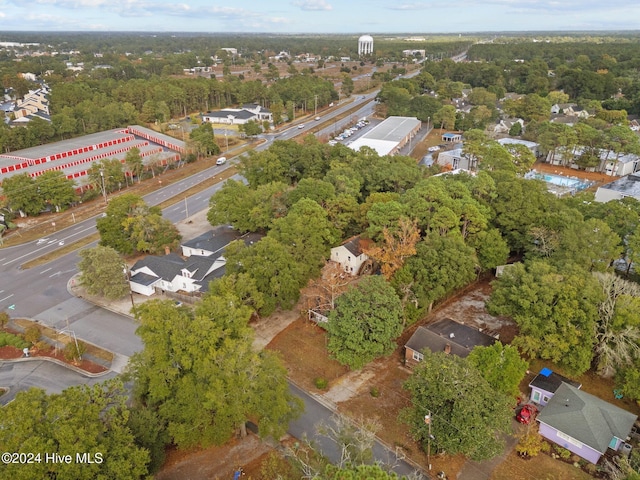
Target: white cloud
[
  {"x": 410, "y": 6},
  {"x": 313, "y": 5}
]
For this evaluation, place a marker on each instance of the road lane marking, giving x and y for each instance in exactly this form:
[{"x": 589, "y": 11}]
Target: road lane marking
[
  {"x": 45, "y": 271},
  {"x": 3, "y": 299}
]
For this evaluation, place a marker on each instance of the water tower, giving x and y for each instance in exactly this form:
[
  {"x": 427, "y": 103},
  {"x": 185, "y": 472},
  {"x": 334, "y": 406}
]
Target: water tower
[{"x": 365, "y": 45}]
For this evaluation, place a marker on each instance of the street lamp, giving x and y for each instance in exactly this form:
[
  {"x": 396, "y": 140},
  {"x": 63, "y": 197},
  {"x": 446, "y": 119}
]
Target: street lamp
[{"x": 427, "y": 420}]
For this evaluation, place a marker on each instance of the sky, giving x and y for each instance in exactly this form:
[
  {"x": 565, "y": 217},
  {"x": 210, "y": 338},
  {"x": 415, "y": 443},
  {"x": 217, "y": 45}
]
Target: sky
[{"x": 319, "y": 16}]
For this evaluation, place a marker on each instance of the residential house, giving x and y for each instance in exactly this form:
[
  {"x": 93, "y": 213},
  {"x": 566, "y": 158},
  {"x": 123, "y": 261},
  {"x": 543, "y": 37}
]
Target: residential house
[
  {"x": 34, "y": 104},
  {"x": 171, "y": 273},
  {"x": 239, "y": 116},
  {"x": 628, "y": 186},
  {"x": 445, "y": 336},
  {"x": 456, "y": 159},
  {"x": 504, "y": 125},
  {"x": 532, "y": 146},
  {"x": 584, "y": 424},
  {"x": 545, "y": 384},
  {"x": 350, "y": 255},
  {"x": 611, "y": 163},
  {"x": 211, "y": 242}
]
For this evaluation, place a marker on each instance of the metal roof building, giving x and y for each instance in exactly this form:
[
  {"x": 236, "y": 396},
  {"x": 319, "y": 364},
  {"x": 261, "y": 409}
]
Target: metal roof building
[{"x": 389, "y": 136}]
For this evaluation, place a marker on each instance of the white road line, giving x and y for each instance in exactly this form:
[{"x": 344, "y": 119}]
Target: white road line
[
  {"x": 45, "y": 271},
  {"x": 3, "y": 299}
]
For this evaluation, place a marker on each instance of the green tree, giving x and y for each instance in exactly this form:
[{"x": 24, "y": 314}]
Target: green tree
[
  {"x": 273, "y": 268},
  {"x": 445, "y": 117},
  {"x": 151, "y": 233},
  {"x": 134, "y": 164},
  {"x": 56, "y": 189},
  {"x": 366, "y": 320},
  {"x": 22, "y": 194},
  {"x": 555, "y": 310},
  {"x": 501, "y": 366},
  {"x": 251, "y": 128},
  {"x": 83, "y": 419},
  {"x": 466, "y": 413},
  {"x": 203, "y": 138},
  {"x": 101, "y": 272},
  {"x": 198, "y": 372}
]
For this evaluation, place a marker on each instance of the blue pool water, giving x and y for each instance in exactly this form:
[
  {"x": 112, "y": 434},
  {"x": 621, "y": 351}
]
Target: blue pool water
[{"x": 562, "y": 181}]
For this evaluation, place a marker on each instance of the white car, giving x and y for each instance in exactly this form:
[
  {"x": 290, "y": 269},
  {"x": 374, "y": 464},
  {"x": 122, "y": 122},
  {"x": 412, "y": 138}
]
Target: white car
[
  {"x": 221, "y": 161},
  {"x": 301, "y": 125}
]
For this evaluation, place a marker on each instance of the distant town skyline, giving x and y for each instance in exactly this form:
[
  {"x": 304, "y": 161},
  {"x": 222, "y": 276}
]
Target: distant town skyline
[{"x": 319, "y": 16}]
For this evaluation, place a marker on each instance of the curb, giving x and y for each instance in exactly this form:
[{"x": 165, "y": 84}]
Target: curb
[{"x": 84, "y": 373}]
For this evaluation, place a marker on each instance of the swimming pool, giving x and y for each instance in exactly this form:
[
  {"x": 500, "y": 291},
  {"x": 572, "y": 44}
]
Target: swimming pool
[{"x": 560, "y": 180}]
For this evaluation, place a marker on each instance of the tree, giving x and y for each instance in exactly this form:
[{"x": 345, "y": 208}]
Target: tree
[
  {"x": 501, "y": 366},
  {"x": 396, "y": 247},
  {"x": 618, "y": 328},
  {"x": 204, "y": 141},
  {"x": 56, "y": 189},
  {"x": 366, "y": 320},
  {"x": 555, "y": 310},
  {"x": 134, "y": 164},
  {"x": 251, "y": 128},
  {"x": 198, "y": 372},
  {"x": 81, "y": 420},
  {"x": 130, "y": 225},
  {"x": 22, "y": 194},
  {"x": 466, "y": 413},
  {"x": 273, "y": 268},
  {"x": 445, "y": 117},
  {"x": 101, "y": 272}
]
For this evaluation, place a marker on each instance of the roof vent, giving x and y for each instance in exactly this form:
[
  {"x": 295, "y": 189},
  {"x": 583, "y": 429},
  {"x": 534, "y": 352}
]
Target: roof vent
[{"x": 452, "y": 335}]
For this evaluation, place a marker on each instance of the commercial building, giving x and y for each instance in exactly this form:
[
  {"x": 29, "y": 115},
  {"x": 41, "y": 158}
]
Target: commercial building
[{"x": 390, "y": 136}]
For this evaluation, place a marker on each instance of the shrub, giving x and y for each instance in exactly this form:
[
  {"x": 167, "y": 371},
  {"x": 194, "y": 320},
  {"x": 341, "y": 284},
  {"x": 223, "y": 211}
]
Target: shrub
[
  {"x": 73, "y": 351},
  {"x": 12, "y": 340},
  {"x": 32, "y": 334},
  {"x": 563, "y": 453},
  {"x": 375, "y": 392},
  {"x": 321, "y": 383},
  {"x": 530, "y": 445},
  {"x": 4, "y": 319}
]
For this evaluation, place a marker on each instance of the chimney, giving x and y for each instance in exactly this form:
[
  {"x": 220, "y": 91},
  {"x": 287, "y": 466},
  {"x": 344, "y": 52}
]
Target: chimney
[
  {"x": 447, "y": 348},
  {"x": 167, "y": 250}
]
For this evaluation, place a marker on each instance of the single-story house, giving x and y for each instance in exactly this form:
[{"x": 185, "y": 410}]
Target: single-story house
[
  {"x": 214, "y": 241},
  {"x": 350, "y": 255},
  {"x": 584, "y": 424},
  {"x": 455, "y": 159},
  {"x": 545, "y": 384},
  {"x": 239, "y": 116},
  {"x": 452, "y": 137},
  {"x": 628, "y": 186},
  {"x": 445, "y": 336}
]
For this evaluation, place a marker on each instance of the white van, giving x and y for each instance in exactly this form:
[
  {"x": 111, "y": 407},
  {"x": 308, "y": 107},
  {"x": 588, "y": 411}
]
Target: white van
[{"x": 221, "y": 161}]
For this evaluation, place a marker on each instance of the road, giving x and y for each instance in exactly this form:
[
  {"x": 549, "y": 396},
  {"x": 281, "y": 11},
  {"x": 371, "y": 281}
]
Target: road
[
  {"x": 316, "y": 413},
  {"x": 41, "y": 293}
]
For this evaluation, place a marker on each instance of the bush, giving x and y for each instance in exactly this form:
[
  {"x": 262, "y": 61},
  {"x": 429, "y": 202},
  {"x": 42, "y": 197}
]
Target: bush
[
  {"x": 32, "y": 334},
  {"x": 375, "y": 392},
  {"x": 530, "y": 445},
  {"x": 321, "y": 383},
  {"x": 73, "y": 351},
  {"x": 563, "y": 453},
  {"x": 4, "y": 319},
  {"x": 12, "y": 340}
]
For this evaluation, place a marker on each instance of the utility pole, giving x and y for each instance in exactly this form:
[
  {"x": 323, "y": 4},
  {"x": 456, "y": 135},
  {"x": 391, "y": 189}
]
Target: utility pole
[
  {"x": 427, "y": 420},
  {"x": 104, "y": 190},
  {"x": 315, "y": 110},
  {"x": 186, "y": 208}
]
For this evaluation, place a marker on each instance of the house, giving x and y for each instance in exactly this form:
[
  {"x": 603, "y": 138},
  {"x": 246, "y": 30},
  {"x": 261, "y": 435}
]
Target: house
[
  {"x": 452, "y": 137},
  {"x": 628, "y": 186},
  {"x": 504, "y": 125},
  {"x": 350, "y": 255},
  {"x": 532, "y": 146},
  {"x": 211, "y": 242},
  {"x": 584, "y": 424},
  {"x": 545, "y": 384},
  {"x": 239, "y": 116},
  {"x": 456, "y": 159},
  {"x": 445, "y": 336},
  {"x": 170, "y": 273}
]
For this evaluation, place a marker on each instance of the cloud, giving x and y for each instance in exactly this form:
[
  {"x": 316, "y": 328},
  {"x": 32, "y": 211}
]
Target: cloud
[
  {"x": 313, "y": 5},
  {"x": 410, "y": 6}
]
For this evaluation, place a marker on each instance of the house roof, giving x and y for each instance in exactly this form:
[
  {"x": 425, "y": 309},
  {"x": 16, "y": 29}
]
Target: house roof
[
  {"x": 586, "y": 418},
  {"x": 461, "y": 338},
  {"x": 214, "y": 240},
  {"x": 355, "y": 245},
  {"x": 549, "y": 381},
  {"x": 165, "y": 266},
  {"x": 145, "y": 279},
  {"x": 238, "y": 114}
]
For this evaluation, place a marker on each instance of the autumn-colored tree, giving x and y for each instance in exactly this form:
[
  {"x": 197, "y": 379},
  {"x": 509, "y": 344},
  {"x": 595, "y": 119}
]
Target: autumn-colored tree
[{"x": 396, "y": 247}]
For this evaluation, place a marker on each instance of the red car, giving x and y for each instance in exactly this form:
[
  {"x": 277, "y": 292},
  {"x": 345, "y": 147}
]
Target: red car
[{"x": 526, "y": 414}]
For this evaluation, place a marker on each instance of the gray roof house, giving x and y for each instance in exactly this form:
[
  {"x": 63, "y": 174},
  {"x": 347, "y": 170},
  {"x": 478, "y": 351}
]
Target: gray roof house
[
  {"x": 545, "y": 384},
  {"x": 628, "y": 186},
  {"x": 584, "y": 424},
  {"x": 239, "y": 116},
  {"x": 445, "y": 336}
]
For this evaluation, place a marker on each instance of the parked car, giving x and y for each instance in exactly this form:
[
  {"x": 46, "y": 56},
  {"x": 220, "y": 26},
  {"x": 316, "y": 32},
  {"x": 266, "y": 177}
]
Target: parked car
[{"x": 526, "y": 413}]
